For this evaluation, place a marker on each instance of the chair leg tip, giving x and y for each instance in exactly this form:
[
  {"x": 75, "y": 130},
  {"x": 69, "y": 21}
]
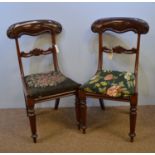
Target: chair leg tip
[
  {"x": 35, "y": 140},
  {"x": 103, "y": 108},
  {"x": 34, "y": 137},
  {"x": 131, "y": 140},
  {"x": 84, "y": 130},
  {"x": 132, "y": 137}
]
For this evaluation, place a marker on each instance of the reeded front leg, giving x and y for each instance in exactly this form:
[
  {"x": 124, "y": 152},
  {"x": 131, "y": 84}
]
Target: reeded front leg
[
  {"x": 133, "y": 116},
  {"x": 77, "y": 110},
  {"x": 83, "y": 111},
  {"x": 32, "y": 119}
]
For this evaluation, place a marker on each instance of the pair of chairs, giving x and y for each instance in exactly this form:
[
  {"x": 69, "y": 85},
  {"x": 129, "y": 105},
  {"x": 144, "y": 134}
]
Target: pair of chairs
[{"x": 109, "y": 85}]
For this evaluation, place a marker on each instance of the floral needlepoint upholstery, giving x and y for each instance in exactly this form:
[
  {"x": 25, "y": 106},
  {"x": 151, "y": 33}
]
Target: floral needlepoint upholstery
[
  {"x": 43, "y": 84},
  {"x": 111, "y": 83}
]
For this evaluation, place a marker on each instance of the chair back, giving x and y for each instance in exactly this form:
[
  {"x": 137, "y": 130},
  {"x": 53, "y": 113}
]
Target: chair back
[
  {"x": 119, "y": 25},
  {"x": 34, "y": 28}
]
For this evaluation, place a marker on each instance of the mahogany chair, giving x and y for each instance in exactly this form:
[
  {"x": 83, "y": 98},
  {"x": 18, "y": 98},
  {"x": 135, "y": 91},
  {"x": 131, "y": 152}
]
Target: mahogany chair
[
  {"x": 42, "y": 87},
  {"x": 114, "y": 85}
]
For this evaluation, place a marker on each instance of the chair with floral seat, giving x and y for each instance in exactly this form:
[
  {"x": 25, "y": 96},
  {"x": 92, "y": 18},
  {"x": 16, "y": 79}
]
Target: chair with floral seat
[
  {"x": 111, "y": 84},
  {"x": 41, "y": 87}
]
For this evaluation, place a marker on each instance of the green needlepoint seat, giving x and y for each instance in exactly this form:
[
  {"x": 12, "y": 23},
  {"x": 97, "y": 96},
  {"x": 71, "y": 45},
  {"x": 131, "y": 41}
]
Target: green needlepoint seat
[{"x": 111, "y": 83}]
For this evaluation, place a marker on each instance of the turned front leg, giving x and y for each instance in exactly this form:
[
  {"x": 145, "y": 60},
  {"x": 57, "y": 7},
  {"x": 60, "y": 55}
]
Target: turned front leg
[
  {"x": 32, "y": 119},
  {"x": 133, "y": 117}
]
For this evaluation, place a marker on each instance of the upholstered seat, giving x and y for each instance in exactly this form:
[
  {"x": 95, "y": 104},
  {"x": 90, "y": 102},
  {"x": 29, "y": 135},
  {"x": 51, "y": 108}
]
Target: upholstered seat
[
  {"x": 44, "y": 84},
  {"x": 111, "y": 83}
]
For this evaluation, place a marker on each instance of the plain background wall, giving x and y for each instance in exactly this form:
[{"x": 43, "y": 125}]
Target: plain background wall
[{"x": 78, "y": 46}]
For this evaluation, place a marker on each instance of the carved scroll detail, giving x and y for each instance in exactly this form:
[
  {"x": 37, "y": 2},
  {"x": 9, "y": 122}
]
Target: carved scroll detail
[
  {"x": 36, "y": 52},
  {"x": 119, "y": 50}
]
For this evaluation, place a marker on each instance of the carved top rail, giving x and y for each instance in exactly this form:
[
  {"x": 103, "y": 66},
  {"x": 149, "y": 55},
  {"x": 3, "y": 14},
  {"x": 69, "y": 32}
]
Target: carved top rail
[
  {"x": 119, "y": 50},
  {"x": 120, "y": 25},
  {"x": 36, "y": 52},
  {"x": 33, "y": 27}
]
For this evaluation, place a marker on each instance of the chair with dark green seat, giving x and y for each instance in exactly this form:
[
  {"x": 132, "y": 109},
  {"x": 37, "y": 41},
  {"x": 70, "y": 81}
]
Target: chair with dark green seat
[
  {"x": 109, "y": 84},
  {"x": 42, "y": 86}
]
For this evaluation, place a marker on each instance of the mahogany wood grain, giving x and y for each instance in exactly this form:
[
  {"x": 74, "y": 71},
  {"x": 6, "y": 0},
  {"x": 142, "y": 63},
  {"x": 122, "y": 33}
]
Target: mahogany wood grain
[
  {"x": 33, "y": 28},
  {"x": 120, "y": 25}
]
